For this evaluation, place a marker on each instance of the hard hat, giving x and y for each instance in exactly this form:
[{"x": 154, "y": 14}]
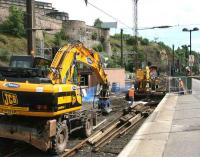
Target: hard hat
[{"x": 179, "y": 79}]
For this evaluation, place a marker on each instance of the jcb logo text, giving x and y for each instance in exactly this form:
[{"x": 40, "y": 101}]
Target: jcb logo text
[{"x": 9, "y": 98}]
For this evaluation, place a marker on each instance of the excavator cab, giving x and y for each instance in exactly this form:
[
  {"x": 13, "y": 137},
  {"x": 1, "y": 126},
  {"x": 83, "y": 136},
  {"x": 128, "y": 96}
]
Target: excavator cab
[{"x": 26, "y": 68}]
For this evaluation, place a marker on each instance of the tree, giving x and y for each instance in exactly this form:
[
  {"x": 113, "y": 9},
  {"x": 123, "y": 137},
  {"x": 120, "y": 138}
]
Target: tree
[
  {"x": 144, "y": 41},
  {"x": 131, "y": 41},
  {"x": 97, "y": 23},
  {"x": 163, "y": 46},
  {"x": 14, "y": 24},
  {"x": 114, "y": 62}
]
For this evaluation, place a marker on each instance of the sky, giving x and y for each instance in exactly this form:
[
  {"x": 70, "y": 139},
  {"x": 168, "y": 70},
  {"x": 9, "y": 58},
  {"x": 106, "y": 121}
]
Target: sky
[{"x": 177, "y": 13}]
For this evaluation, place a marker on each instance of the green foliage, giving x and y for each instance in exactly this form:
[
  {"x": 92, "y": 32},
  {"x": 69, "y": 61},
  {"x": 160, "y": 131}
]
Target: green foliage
[
  {"x": 144, "y": 42},
  {"x": 141, "y": 56},
  {"x": 13, "y": 44},
  {"x": 98, "y": 48},
  {"x": 14, "y": 25},
  {"x": 131, "y": 41},
  {"x": 114, "y": 62},
  {"x": 63, "y": 35},
  {"x": 94, "y": 36},
  {"x": 60, "y": 37},
  {"x": 116, "y": 36},
  {"x": 129, "y": 66},
  {"x": 181, "y": 55},
  {"x": 147, "y": 51},
  {"x": 4, "y": 55},
  {"x": 3, "y": 39},
  {"x": 114, "y": 49},
  {"x": 102, "y": 39},
  {"x": 97, "y": 23},
  {"x": 163, "y": 46},
  {"x": 49, "y": 40}
]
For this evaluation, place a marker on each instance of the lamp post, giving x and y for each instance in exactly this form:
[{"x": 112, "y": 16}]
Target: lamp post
[
  {"x": 190, "y": 30},
  {"x": 189, "y": 81}
]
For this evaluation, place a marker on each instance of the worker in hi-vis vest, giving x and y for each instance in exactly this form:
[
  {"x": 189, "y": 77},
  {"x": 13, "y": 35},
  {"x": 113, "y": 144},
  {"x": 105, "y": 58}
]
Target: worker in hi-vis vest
[
  {"x": 130, "y": 95},
  {"x": 181, "y": 86}
]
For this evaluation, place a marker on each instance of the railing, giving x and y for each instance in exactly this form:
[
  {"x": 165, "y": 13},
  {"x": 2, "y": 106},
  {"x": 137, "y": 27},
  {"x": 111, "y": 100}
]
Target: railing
[{"x": 186, "y": 87}]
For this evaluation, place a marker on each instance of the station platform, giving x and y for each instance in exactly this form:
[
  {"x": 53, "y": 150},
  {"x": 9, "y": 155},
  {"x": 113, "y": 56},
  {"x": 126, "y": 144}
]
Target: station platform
[{"x": 172, "y": 130}]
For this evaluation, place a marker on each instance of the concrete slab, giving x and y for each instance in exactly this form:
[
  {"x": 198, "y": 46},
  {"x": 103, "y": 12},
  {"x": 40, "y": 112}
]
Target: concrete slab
[
  {"x": 188, "y": 124},
  {"x": 183, "y": 144},
  {"x": 187, "y": 113},
  {"x": 147, "y": 147}
]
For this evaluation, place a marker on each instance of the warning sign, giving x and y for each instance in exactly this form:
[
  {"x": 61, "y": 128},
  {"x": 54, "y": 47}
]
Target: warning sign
[{"x": 191, "y": 60}]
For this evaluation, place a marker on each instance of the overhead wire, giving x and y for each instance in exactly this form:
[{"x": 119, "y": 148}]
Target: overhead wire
[
  {"x": 111, "y": 16},
  {"x": 131, "y": 28},
  {"x": 170, "y": 26}
]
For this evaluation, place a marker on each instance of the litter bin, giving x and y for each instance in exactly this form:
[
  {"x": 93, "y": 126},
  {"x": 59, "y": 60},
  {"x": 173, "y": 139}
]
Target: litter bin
[
  {"x": 189, "y": 84},
  {"x": 115, "y": 87}
]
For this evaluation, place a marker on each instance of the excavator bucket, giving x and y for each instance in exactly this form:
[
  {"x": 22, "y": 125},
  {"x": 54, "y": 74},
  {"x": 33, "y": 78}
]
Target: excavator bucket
[
  {"x": 104, "y": 101},
  {"x": 104, "y": 105}
]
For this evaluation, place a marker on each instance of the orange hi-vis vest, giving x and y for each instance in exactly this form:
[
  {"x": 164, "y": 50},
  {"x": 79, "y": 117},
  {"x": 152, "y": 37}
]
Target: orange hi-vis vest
[
  {"x": 181, "y": 84},
  {"x": 131, "y": 93}
]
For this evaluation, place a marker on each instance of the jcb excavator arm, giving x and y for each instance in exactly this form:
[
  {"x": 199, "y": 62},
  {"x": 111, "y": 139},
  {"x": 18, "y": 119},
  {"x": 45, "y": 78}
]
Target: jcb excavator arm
[
  {"x": 62, "y": 69},
  {"x": 66, "y": 58}
]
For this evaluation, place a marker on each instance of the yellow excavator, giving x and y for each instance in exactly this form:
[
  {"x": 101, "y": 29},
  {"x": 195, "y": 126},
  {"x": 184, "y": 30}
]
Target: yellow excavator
[
  {"x": 41, "y": 104},
  {"x": 146, "y": 79}
]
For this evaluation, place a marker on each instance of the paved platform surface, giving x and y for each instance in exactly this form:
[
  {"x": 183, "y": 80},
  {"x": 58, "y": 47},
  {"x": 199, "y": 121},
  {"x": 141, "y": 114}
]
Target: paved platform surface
[{"x": 172, "y": 130}]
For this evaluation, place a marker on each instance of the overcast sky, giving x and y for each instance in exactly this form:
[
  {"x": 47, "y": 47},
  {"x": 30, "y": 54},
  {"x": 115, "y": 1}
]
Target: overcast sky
[{"x": 178, "y": 13}]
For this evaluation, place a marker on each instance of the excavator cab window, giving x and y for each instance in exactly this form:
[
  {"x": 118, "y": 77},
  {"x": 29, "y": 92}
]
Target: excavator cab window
[
  {"x": 21, "y": 61},
  {"x": 20, "y": 64}
]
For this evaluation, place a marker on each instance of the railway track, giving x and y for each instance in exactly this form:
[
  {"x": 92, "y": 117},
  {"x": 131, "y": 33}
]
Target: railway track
[
  {"x": 15, "y": 152},
  {"x": 126, "y": 120},
  {"x": 122, "y": 125}
]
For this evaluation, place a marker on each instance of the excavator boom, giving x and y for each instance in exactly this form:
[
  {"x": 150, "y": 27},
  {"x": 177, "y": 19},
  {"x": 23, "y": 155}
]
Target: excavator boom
[
  {"x": 66, "y": 58},
  {"x": 62, "y": 69}
]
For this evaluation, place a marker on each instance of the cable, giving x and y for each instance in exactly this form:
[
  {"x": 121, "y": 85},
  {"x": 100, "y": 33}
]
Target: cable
[
  {"x": 109, "y": 15},
  {"x": 163, "y": 27}
]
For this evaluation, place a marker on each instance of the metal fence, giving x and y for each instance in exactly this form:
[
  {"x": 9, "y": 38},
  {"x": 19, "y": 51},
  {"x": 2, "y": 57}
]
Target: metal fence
[{"x": 174, "y": 85}]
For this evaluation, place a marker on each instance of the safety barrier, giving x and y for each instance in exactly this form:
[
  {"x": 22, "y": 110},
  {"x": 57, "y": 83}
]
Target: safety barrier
[{"x": 183, "y": 84}]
